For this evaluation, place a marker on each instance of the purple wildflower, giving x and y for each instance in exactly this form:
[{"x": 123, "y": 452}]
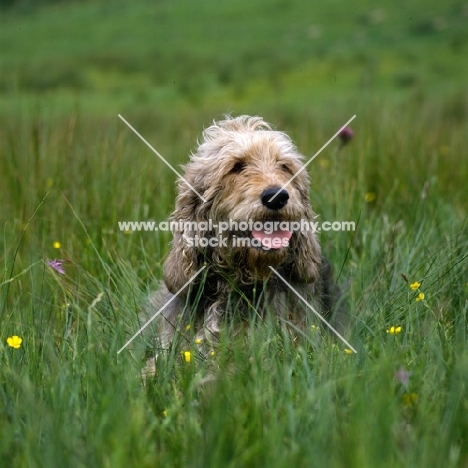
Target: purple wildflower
[
  {"x": 402, "y": 375},
  {"x": 56, "y": 265},
  {"x": 346, "y": 135}
]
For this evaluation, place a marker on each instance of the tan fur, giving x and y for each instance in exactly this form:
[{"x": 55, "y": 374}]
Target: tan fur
[{"x": 270, "y": 159}]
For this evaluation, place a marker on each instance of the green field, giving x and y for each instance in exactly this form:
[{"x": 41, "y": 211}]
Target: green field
[{"x": 70, "y": 169}]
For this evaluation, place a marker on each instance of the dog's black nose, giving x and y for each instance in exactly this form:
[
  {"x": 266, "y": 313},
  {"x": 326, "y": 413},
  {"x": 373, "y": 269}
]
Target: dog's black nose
[{"x": 280, "y": 199}]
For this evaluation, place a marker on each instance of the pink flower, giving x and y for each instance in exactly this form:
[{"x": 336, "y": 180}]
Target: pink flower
[
  {"x": 402, "y": 375},
  {"x": 56, "y": 265},
  {"x": 346, "y": 135}
]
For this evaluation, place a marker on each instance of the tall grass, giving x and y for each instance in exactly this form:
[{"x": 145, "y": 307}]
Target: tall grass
[
  {"x": 70, "y": 170},
  {"x": 70, "y": 400}
]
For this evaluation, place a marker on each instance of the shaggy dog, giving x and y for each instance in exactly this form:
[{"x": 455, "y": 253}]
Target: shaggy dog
[{"x": 239, "y": 169}]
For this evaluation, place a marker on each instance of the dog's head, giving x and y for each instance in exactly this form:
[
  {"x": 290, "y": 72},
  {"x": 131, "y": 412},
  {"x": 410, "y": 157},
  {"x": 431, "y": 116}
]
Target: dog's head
[{"x": 240, "y": 169}]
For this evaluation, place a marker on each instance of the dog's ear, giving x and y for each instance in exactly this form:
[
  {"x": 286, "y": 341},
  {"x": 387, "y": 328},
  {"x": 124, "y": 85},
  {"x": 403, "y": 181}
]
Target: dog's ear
[
  {"x": 306, "y": 248},
  {"x": 180, "y": 264},
  {"x": 306, "y": 257},
  {"x": 183, "y": 260}
]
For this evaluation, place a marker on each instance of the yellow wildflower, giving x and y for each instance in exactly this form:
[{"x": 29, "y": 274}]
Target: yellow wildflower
[
  {"x": 314, "y": 328},
  {"x": 369, "y": 197},
  {"x": 394, "y": 330},
  {"x": 198, "y": 341},
  {"x": 410, "y": 399},
  {"x": 164, "y": 414},
  {"x": 187, "y": 327},
  {"x": 420, "y": 297},
  {"x": 187, "y": 356},
  {"x": 348, "y": 351},
  {"x": 57, "y": 245},
  {"x": 212, "y": 353},
  {"x": 415, "y": 285},
  {"x": 14, "y": 341}
]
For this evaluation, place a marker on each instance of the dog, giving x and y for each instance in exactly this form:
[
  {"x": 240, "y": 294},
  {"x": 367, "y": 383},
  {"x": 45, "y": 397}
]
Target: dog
[{"x": 242, "y": 171}]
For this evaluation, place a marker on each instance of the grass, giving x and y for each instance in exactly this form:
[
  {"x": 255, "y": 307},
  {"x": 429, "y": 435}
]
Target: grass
[{"x": 70, "y": 170}]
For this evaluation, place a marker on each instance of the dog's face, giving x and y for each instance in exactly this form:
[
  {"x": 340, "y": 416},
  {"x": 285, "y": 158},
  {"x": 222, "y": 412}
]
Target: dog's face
[
  {"x": 249, "y": 189},
  {"x": 240, "y": 169}
]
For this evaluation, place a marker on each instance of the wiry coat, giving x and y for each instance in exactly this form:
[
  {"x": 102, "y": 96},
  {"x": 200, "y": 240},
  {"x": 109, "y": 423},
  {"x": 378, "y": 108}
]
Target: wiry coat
[{"x": 236, "y": 161}]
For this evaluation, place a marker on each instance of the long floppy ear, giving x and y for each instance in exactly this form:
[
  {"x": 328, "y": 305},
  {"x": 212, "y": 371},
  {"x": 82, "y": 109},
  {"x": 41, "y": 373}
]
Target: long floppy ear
[
  {"x": 307, "y": 257},
  {"x": 183, "y": 260},
  {"x": 306, "y": 249}
]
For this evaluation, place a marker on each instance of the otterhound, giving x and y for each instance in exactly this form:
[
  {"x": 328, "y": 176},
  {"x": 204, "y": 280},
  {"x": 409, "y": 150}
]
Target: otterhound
[{"x": 239, "y": 170}]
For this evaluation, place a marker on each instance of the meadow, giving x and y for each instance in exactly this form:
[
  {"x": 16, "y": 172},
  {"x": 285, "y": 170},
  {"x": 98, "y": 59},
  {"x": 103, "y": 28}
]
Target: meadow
[{"x": 70, "y": 169}]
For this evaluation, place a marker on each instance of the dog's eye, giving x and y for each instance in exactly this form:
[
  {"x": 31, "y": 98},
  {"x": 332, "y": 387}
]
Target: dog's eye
[
  {"x": 238, "y": 168},
  {"x": 285, "y": 168}
]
